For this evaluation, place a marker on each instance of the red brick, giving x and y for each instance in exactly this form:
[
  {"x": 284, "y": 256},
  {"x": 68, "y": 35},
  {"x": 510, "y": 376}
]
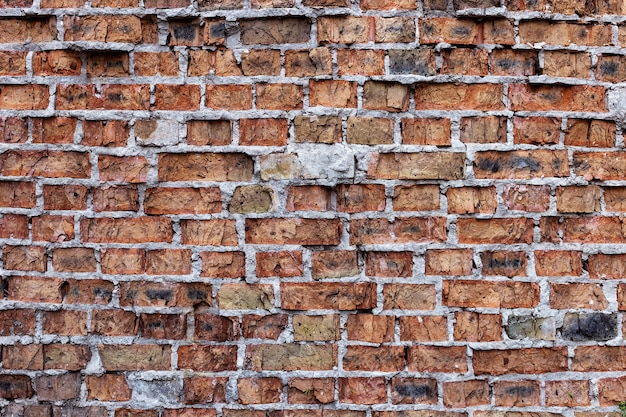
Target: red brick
[
  {"x": 489, "y": 129},
  {"x": 598, "y": 359},
  {"x": 333, "y": 93},
  {"x": 339, "y": 296},
  {"x": 389, "y": 264},
  {"x": 308, "y": 63},
  {"x": 209, "y": 132},
  {"x": 216, "y": 232},
  {"x": 593, "y": 229},
  {"x": 417, "y": 166},
  {"x": 360, "y": 62},
  {"x": 123, "y": 261},
  {"x": 13, "y": 226},
  {"x": 263, "y": 132},
  {"x": 465, "y": 61},
  {"x": 536, "y": 130},
  {"x": 529, "y": 97},
  {"x": 275, "y": 30},
  {"x": 48, "y": 164},
  {"x": 166, "y": 200},
  {"x": 610, "y": 391},
  {"x": 477, "y": 327},
  {"x": 114, "y": 323},
  {"x": 369, "y": 130},
  {"x": 490, "y": 294},
  {"x": 462, "y": 394},
  {"x": 426, "y": 132},
  {"x": 370, "y": 358},
  {"x": 24, "y": 97},
  {"x": 567, "y": 64},
  {"x": 449, "y": 261},
  {"x": 177, "y": 97},
  {"x": 108, "y": 387},
  {"x": 416, "y": 198},
  {"x": 503, "y": 263},
  {"x": 207, "y": 358},
  {"x": 405, "y": 230},
  {"x": 156, "y": 63},
  {"x": 576, "y": 296},
  {"x": 15, "y": 386},
  {"x": 30, "y": 29},
  {"x": 558, "y": 263},
  {"x": 17, "y": 322},
  {"x": 532, "y": 198},
  {"x": 564, "y": 33},
  {"x": 135, "y": 357},
  {"x": 259, "y": 390},
  {"x": 65, "y": 356},
  {"x": 354, "y": 198},
  {"x": 13, "y": 129},
  {"x": 17, "y": 194},
  {"x": 424, "y": 328},
  {"x": 73, "y": 260},
  {"x": 163, "y": 326},
  {"x": 168, "y": 262},
  {"x": 333, "y": 264},
  {"x": 362, "y": 390},
  {"x": 371, "y": 328},
  {"x": 520, "y": 361},
  {"x": 105, "y": 133},
  {"x": 216, "y": 328},
  {"x": 517, "y": 393},
  {"x": 53, "y": 228},
  {"x": 413, "y": 391},
  {"x": 204, "y": 390},
  {"x": 409, "y": 297},
  {"x": 393, "y": 97},
  {"x": 110, "y": 64},
  {"x": 65, "y": 322},
  {"x": 264, "y": 327},
  {"x": 93, "y": 291},
  {"x": 293, "y": 231},
  {"x": 311, "y": 390},
  {"x": 514, "y": 62},
  {"x": 166, "y": 294},
  {"x": 54, "y": 130},
  {"x": 126, "y": 230},
  {"x": 245, "y": 296},
  {"x": 279, "y": 264},
  {"x": 108, "y": 28},
  {"x": 13, "y": 63},
  {"x": 290, "y": 357},
  {"x": 115, "y": 198},
  {"x": 308, "y": 197},
  {"x": 63, "y": 197},
  {"x": 506, "y": 230},
  {"x": 223, "y": 264},
  {"x": 23, "y": 357},
  {"x": 278, "y": 96},
  {"x": 590, "y": 133},
  {"x": 205, "y": 167},
  {"x": 229, "y": 97},
  {"x": 567, "y": 393},
  {"x": 470, "y": 200},
  {"x": 437, "y": 359}
]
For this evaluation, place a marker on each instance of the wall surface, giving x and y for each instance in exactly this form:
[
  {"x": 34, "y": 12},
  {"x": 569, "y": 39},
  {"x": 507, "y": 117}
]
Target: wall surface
[{"x": 241, "y": 208}]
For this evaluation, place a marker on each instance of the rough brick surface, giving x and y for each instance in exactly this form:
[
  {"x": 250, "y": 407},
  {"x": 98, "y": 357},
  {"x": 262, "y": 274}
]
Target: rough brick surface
[{"x": 328, "y": 208}]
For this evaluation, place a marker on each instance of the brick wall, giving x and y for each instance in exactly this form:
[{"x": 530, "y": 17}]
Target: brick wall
[{"x": 241, "y": 208}]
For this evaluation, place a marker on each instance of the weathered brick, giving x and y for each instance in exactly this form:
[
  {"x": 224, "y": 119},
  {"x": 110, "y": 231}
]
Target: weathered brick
[
  {"x": 333, "y": 93},
  {"x": 471, "y": 200},
  {"x": 580, "y": 295},
  {"x": 308, "y": 63},
  {"x": 461, "y": 394},
  {"x": 564, "y": 33},
  {"x": 340, "y": 296},
  {"x": 279, "y": 264},
  {"x": 369, "y": 131},
  {"x": 403, "y": 230},
  {"x": 517, "y": 393},
  {"x": 423, "y": 328},
  {"x": 521, "y": 164},
  {"x": 25, "y": 258},
  {"x": 362, "y": 390},
  {"x": 465, "y": 61},
  {"x": 569, "y": 393},
  {"x": 22, "y": 30},
  {"x": 316, "y": 328},
  {"x": 58, "y": 387},
  {"x": 477, "y": 327},
  {"x": 333, "y": 264},
  {"x": 134, "y": 357},
  {"x": 217, "y": 328},
  {"x": 65, "y": 322},
  {"x": 204, "y": 390},
  {"x": 409, "y": 296},
  {"x": 417, "y": 166},
  {"x": 532, "y": 198},
  {"x": 490, "y": 294},
  {"x": 509, "y": 264},
  {"x": 138, "y": 293},
  {"x": 205, "y": 167},
  {"x": 207, "y": 358},
  {"x": 263, "y": 132},
  {"x": 539, "y": 97},
  {"x": 275, "y": 30},
  {"x": 163, "y": 326},
  {"x": 449, "y": 261},
  {"x": 590, "y": 133},
  {"x": 360, "y": 62},
  {"x": 245, "y": 297},
  {"x": 437, "y": 359},
  {"x": 490, "y": 129},
  {"x": 311, "y": 390},
  {"x": 290, "y": 357},
  {"x": 66, "y": 356},
  {"x": 567, "y": 64},
  {"x": 229, "y": 97},
  {"x": 520, "y": 361},
  {"x": 264, "y": 327},
  {"x": 126, "y": 230},
  {"x": 293, "y": 231},
  {"x": 108, "y": 387},
  {"x": 114, "y": 323}
]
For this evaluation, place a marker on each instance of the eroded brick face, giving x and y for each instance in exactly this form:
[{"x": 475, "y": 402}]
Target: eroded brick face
[{"x": 327, "y": 208}]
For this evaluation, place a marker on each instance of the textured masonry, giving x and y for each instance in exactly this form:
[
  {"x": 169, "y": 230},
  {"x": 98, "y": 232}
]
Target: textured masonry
[{"x": 290, "y": 208}]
